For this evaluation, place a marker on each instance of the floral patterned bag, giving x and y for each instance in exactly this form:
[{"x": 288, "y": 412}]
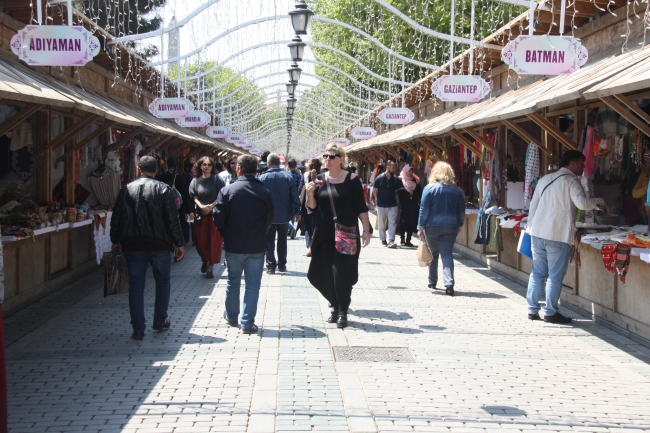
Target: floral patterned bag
[{"x": 345, "y": 237}]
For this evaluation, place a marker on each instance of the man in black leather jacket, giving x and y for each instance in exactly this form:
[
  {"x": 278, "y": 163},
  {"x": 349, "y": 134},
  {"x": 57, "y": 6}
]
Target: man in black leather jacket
[{"x": 146, "y": 228}]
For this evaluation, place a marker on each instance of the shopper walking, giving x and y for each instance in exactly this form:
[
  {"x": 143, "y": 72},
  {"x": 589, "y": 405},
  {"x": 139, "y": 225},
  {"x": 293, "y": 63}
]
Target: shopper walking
[
  {"x": 204, "y": 190},
  {"x": 145, "y": 227},
  {"x": 308, "y": 218},
  {"x": 334, "y": 273},
  {"x": 229, "y": 175},
  {"x": 286, "y": 204},
  {"x": 384, "y": 197},
  {"x": 551, "y": 227},
  {"x": 409, "y": 200},
  {"x": 299, "y": 182},
  {"x": 244, "y": 214},
  {"x": 178, "y": 182},
  {"x": 442, "y": 214}
]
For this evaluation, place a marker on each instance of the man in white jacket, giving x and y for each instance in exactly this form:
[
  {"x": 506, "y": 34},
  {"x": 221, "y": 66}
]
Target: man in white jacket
[{"x": 551, "y": 226}]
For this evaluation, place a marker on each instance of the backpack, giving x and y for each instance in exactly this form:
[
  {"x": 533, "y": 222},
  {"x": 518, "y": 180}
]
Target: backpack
[{"x": 178, "y": 198}]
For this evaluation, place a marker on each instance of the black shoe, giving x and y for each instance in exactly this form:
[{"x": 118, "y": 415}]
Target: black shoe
[
  {"x": 158, "y": 326},
  {"x": 204, "y": 267},
  {"x": 293, "y": 234},
  {"x": 534, "y": 316},
  {"x": 251, "y": 330},
  {"x": 270, "y": 271},
  {"x": 384, "y": 243},
  {"x": 449, "y": 290},
  {"x": 334, "y": 317},
  {"x": 409, "y": 244},
  {"x": 282, "y": 269},
  {"x": 343, "y": 320},
  {"x": 557, "y": 318},
  {"x": 432, "y": 286},
  {"x": 138, "y": 335},
  {"x": 402, "y": 243},
  {"x": 230, "y": 322}
]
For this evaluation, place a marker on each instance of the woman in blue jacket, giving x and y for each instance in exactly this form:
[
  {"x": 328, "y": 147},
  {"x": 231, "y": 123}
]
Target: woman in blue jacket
[{"x": 442, "y": 213}]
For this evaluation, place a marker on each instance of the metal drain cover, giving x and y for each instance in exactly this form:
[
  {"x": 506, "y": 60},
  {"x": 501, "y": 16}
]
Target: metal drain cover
[{"x": 372, "y": 354}]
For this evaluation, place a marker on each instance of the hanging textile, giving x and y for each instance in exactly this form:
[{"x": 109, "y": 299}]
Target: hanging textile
[
  {"x": 495, "y": 169},
  {"x": 590, "y": 159},
  {"x": 532, "y": 173},
  {"x": 102, "y": 234},
  {"x": 495, "y": 242}
]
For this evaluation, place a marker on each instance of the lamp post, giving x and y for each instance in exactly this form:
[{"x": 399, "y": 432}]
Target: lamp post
[
  {"x": 294, "y": 72},
  {"x": 291, "y": 103},
  {"x": 291, "y": 88},
  {"x": 297, "y": 49},
  {"x": 300, "y": 17},
  {"x": 290, "y": 110}
]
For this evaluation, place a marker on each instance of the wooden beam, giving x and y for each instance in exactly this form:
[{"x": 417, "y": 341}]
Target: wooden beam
[
  {"x": 163, "y": 143},
  {"x": 92, "y": 136},
  {"x": 196, "y": 151},
  {"x": 547, "y": 126},
  {"x": 636, "y": 110},
  {"x": 464, "y": 141},
  {"x": 390, "y": 151},
  {"x": 410, "y": 149},
  {"x": 476, "y": 136},
  {"x": 123, "y": 140},
  {"x": 151, "y": 144},
  {"x": 431, "y": 147},
  {"x": 73, "y": 130},
  {"x": 18, "y": 117},
  {"x": 181, "y": 149},
  {"x": 525, "y": 135}
]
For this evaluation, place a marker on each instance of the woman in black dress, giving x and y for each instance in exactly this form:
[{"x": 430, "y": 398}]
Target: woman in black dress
[{"x": 331, "y": 272}]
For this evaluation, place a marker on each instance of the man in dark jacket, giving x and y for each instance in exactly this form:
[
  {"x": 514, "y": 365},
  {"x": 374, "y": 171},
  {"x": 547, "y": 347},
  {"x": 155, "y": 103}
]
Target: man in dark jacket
[
  {"x": 286, "y": 204},
  {"x": 243, "y": 215},
  {"x": 146, "y": 228}
]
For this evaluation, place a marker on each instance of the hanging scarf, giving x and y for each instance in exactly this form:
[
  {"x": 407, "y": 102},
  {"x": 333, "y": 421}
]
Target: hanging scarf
[
  {"x": 622, "y": 260},
  {"x": 532, "y": 173},
  {"x": 407, "y": 179}
]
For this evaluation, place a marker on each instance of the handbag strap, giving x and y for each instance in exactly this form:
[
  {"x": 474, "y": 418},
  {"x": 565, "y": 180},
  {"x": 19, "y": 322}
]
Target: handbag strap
[
  {"x": 550, "y": 183},
  {"x": 329, "y": 193},
  {"x": 174, "y": 182}
]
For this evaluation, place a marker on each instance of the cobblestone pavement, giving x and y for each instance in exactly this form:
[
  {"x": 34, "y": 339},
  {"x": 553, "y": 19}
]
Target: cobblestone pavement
[{"x": 479, "y": 364}]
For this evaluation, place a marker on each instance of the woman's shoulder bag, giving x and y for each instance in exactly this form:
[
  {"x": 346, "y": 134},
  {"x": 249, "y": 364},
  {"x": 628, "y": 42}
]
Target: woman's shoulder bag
[{"x": 345, "y": 237}]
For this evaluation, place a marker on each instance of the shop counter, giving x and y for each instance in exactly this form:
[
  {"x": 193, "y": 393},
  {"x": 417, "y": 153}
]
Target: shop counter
[{"x": 34, "y": 266}]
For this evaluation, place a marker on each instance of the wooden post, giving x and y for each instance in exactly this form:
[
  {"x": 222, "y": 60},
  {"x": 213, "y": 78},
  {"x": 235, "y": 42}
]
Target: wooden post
[
  {"x": 68, "y": 165},
  {"x": 42, "y": 162},
  {"x": 501, "y": 131}
]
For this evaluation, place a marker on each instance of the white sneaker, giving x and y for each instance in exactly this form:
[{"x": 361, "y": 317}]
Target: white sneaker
[{"x": 392, "y": 244}]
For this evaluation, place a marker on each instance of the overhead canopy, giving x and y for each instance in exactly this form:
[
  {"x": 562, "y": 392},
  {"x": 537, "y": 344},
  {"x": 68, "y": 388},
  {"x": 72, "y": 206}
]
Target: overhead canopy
[{"x": 20, "y": 83}]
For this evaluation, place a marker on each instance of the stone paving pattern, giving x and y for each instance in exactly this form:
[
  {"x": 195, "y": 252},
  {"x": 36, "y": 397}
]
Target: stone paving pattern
[{"x": 481, "y": 366}]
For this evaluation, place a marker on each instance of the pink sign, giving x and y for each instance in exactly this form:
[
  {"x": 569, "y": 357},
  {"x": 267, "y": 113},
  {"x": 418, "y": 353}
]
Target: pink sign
[
  {"x": 460, "y": 88},
  {"x": 341, "y": 141},
  {"x": 171, "y": 108},
  {"x": 396, "y": 116},
  {"x": 218, "y": 132},
  {"x": 234, "y": 138},
  {"x": 545, "y": 55},
  {"x": 55, "y": 45},
  {"x": 196, "y": 119},
  {"x": 363, "y": 132}
]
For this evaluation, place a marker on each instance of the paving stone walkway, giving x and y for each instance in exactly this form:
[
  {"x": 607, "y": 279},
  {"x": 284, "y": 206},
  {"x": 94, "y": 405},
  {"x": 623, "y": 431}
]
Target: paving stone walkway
[{"x": 479, "y": 364}]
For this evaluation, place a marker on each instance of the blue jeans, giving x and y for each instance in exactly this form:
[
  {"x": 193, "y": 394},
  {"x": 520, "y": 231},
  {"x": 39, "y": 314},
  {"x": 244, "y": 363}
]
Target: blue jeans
[
  {"x": 137, "y": 263},
  {"x": 252, "y": 266},
  {"x": 441, "y": 243},
  {"x": 550, "y": 258},
  {"x": 281, "y": 230}
]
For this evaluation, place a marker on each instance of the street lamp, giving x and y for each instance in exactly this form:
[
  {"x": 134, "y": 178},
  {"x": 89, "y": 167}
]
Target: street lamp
[
  {"x": 291, "y": 103},
  {"x": 294, "y": 72},
  {"x": 300, "y": 17},
  {"x": 291, "y": 88},
  {"x": 290, "y": 110},
  {"x": 297, "y": 49}
]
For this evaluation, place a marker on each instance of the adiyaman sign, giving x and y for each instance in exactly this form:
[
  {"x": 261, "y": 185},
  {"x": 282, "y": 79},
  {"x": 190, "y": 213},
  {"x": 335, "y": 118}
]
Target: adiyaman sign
[
  {"x": 171, "y": 108},
  {"x": 55, "y": 45},
  {"x": 363, "y": 132},
  {"x": 460, "y": 88},
  {"x": 218, "y": 132},
  {"x": 396, "y": 116},
  {"x": 196, "y": 119},
  {"x": 545, "y": 55}
]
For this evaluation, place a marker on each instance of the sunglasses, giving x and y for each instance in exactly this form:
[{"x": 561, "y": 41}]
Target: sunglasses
[
  {"x": 206, "y": 165},
  {"x": 233, "y": 163},
  {"x": 331, "y": 156}
]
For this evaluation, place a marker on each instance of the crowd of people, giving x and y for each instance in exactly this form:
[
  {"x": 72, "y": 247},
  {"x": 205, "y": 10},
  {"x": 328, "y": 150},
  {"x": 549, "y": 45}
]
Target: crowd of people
[{"x": 247, "y": 207}]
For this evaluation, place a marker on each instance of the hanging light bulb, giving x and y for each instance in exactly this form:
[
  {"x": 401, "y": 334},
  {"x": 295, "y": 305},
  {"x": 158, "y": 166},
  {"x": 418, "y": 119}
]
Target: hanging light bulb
[
  {"x": 300, "y": 17},
  {"x": 294, "y": 73},
  {"x": 291, "y": 102},
  {"x": 297, "y": 49}
]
